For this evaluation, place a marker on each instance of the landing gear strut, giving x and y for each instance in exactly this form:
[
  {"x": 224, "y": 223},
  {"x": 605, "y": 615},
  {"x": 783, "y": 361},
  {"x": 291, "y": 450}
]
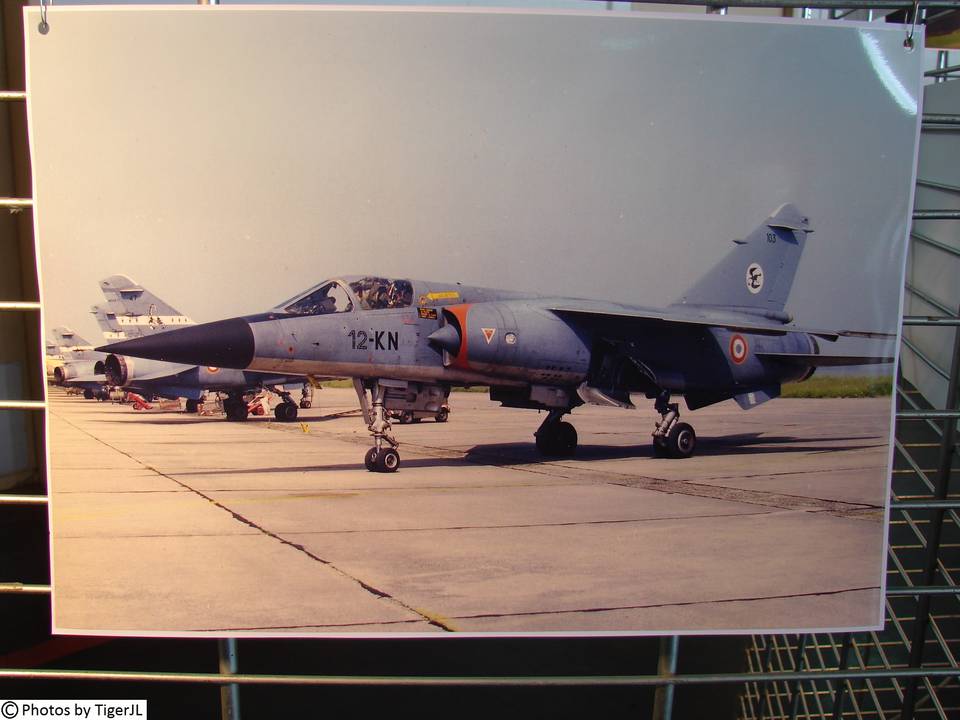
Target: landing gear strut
[
  {"x": 383, "y": 456},
  {"x": 672, "y": 438},
  {"x": 554, "y": 437}
]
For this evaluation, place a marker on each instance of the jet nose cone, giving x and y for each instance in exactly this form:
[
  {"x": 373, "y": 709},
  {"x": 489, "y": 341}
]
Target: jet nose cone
[
  {"x": 446, "y": 337},
  {"x": 224, "y": 343}
]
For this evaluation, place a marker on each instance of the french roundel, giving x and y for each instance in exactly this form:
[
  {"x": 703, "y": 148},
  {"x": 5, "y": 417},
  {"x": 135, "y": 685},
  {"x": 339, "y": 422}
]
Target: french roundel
[{"x": 738, "y": 349}]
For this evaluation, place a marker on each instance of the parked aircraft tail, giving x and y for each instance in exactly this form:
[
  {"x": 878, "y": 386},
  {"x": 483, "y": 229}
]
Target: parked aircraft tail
[
  {"x": 137, "y": 311},
  {"x": 64, "y": 337},
  {"x": 107, "y": 320},
  {"x": 757, "y": 274}
]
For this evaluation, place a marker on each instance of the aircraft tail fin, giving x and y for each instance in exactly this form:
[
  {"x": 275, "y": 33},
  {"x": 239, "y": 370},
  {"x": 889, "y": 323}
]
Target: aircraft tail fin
[
  {"x": 757, "y": 274},
  {"x": 107, "y": 320},
  {"x": 136, "y": 310},
  {"x": 67, "y": 338}
]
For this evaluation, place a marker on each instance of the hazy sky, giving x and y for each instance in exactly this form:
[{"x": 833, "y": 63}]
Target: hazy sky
[{"x": 229, "y": 157}]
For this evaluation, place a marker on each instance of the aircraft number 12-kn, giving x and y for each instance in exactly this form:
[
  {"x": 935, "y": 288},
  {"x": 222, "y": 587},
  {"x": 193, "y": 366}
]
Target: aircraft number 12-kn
[{"x": 379, "y": 339}]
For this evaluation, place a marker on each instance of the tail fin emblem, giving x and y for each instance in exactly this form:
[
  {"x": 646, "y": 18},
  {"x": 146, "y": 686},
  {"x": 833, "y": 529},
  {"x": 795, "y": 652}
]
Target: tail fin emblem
[{"x": 754, "y": 278}]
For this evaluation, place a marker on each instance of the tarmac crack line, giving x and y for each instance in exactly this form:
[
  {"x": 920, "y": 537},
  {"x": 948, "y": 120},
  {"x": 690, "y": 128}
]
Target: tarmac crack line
[
  {"x": 540, "y": 525},
  {"x": 332, "y": 626},
  {"x": 838, "y": 508},
  {"x": 296, "y": 546},
  {"x": 686, "y": 603}
]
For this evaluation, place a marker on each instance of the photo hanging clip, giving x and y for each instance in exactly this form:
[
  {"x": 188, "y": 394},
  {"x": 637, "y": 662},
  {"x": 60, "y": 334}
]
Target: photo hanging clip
[
  {"x": 44, "y": 26},
  {"x": 908, "y": 42}
]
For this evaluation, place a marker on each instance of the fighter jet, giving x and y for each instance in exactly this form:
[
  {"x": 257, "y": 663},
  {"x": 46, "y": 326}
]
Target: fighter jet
[
  {"x": 79, "y": 366},
  {"x": 406, "y": 342},
  {"x": 135, "y": 312}
]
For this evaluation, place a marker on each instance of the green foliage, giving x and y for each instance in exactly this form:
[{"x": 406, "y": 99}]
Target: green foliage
[{"x": 840, "y": 387}]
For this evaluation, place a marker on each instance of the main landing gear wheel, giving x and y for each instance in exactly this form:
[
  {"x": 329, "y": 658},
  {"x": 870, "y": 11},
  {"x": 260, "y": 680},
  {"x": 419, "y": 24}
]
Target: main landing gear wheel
[
  {"x": 660, "y": 447},
  {"x": 285, "y": 412},
  {"x": 236, "y": 409},
  {"x": 557, "y": 439},
  {"x": 192, "y": 406},
  {"x": 88, "y": 394},
  {"x": 672, "y": 438},
  {"x": 681, "y": 441}
]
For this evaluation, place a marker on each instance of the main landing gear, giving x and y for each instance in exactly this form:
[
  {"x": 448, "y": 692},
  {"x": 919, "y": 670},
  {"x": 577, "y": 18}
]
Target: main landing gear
[
  {"x": 556, "y": 438},
  {"x": 236, "y": 408},
  {"x": 672, "y": 438},
  {"x": 193, "y": 406},
  {"x": 286, "y": 411},
  {"x": 383, "y": 456}
]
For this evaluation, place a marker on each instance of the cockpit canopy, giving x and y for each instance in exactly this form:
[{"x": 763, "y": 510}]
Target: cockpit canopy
[
  {"x": 371, "y": 293},
  {"x": 377, "y": 293}
]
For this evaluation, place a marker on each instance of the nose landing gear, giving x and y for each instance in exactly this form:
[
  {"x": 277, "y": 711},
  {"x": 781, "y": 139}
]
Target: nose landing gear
[
  {"x": 306, "y": 396},
  {"x": 672, "y": 438},
  {"x": 383, "y": 456}
]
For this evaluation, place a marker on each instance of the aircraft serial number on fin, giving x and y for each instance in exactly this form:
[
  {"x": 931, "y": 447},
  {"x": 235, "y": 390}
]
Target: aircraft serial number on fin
[{"x": 374, "y": 340}]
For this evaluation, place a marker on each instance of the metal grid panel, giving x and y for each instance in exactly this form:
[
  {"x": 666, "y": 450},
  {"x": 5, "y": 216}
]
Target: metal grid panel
[
  {"x": 922, "y": 629},
  {"x": 864, "y": 675}
]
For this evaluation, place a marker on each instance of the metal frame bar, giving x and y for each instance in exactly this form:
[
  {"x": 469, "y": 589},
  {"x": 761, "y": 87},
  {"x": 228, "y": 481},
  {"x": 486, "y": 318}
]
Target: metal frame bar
[{"x": 478, "y": 681}]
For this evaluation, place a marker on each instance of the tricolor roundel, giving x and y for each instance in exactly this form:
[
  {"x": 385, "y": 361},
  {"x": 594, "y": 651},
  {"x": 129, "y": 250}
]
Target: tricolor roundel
[{"x": 738, "y": 349}]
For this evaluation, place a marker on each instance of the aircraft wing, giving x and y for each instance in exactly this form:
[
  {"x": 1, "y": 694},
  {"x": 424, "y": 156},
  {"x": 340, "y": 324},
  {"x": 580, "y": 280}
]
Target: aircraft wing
[
  {"x": 726, "y": 320},
  {"x": 810, "y": 360},
  {"x": 164, "y": 374}
]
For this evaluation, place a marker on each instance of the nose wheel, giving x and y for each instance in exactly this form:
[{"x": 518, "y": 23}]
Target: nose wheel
[
  {"x": 306, "y": 396},
  {"x": 385, "y": 460},
  {"x": 383, "y": 456},
  {"x": 672, "y": 438}
]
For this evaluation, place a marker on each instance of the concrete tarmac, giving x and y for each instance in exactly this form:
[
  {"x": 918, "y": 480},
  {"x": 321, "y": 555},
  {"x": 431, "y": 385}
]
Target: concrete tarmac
[{"x": 164, "y": 521}]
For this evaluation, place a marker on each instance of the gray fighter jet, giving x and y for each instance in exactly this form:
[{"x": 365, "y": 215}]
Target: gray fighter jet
[
  {"x": 77, "y": 365},
  {"x": 135, "y": 312},
  {"x": 406, "y": 342}
]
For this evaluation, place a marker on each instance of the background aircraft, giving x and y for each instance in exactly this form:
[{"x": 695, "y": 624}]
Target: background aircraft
[
  {"x": 406, "y": 342},
  {"x": 80, "y": 366},
  {"x": 135, "y": 312}
]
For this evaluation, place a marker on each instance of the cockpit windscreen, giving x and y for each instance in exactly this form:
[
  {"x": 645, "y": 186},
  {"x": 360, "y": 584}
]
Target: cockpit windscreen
[{"x": 329, "y": 298}]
